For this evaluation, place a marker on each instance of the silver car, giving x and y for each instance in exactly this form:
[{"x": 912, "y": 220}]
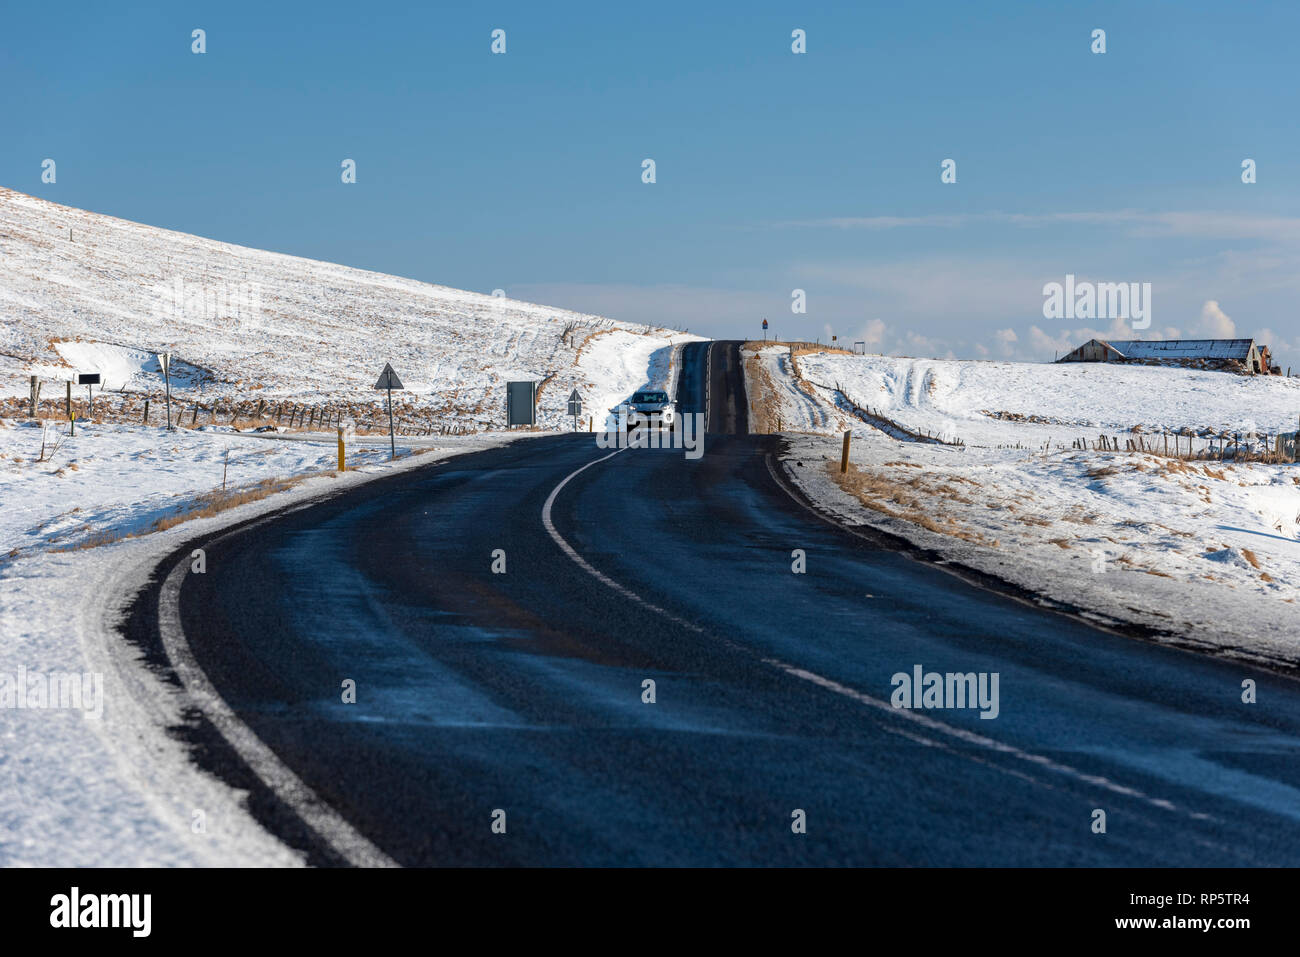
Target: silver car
[{"x": 650, "y": 407}]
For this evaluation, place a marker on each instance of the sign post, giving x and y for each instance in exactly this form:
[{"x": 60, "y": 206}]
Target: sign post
[
  {"x": 575, "y": 407},
  {"x": 388, "y": 380},
  {"x": 165, "y": 360},
  {"x": 89, "y": 380}
]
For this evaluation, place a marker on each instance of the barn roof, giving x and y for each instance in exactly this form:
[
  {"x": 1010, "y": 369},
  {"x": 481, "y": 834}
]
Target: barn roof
[{"x": 1181, "y": 348}]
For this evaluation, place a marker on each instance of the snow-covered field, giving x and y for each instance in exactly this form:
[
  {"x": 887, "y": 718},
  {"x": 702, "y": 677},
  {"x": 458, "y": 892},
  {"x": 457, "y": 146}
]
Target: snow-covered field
[
  {"x": 1206, "y": 551},
  {"x": 1039, "y": 403},
  {"x": 84, "y": 292}
]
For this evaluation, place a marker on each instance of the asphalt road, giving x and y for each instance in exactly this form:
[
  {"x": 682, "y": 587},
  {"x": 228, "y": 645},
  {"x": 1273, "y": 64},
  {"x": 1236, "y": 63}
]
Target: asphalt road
[{"x": 523, "y": 691}]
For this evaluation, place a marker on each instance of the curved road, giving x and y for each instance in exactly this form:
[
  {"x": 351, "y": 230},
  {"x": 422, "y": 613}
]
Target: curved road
[{"x": 523, "y": 691}]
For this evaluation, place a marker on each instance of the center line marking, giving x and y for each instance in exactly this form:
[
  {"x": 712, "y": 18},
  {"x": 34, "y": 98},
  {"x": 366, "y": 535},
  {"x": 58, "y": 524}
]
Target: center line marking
[{"x": 931, "y": 724}]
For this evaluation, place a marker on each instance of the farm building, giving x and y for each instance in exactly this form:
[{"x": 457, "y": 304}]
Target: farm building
[{"x": 1242, "y": 356}]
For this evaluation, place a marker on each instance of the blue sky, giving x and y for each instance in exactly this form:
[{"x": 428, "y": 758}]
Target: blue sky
[{"x": 775, "y": 171}]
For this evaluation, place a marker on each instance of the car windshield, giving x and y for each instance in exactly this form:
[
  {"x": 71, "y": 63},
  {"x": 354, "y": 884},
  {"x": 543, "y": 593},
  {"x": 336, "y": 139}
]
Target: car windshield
[{"x": 648, "y": 397}]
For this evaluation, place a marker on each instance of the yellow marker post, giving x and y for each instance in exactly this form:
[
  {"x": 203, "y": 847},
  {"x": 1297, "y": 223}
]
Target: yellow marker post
[
  {"x": 844, "y": 460},
  {"x": 343, "y": 467}
]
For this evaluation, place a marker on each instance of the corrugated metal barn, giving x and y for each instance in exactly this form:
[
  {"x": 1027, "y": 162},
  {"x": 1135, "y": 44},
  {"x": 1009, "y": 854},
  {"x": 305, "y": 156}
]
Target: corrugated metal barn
[{"x": 1243, "y": 356}]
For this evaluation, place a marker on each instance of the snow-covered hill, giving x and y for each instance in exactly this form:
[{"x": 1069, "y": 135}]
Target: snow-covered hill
[{"x": 86, "y": 292}]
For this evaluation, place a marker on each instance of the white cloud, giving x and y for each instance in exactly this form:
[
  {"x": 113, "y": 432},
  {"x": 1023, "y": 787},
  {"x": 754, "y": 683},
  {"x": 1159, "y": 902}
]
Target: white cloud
[
  {"x": 1215, "y": 323},
  {"x": 1206, "y": 224},
  {"x": 873, "y": 333}
]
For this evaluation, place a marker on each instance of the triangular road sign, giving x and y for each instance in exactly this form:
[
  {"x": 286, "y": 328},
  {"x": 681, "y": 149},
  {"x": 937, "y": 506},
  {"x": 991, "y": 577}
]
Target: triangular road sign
[
  {"x": 388, "y": 379},
  {"x": 574, "y": 397}
]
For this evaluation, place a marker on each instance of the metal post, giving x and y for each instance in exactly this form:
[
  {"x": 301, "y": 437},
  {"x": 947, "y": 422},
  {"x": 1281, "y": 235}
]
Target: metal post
[
  {"x": 392, "y": 442},
  {"x": 167, "y": 377}
]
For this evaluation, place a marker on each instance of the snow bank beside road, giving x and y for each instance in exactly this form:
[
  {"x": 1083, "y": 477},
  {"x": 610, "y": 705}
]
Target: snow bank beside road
[
  {"x": 1208, "y": 555},
  {"x": 1206, "y": 552},
  {"x": 779, "y": 401},
  {"x": 621, "y": 364}
]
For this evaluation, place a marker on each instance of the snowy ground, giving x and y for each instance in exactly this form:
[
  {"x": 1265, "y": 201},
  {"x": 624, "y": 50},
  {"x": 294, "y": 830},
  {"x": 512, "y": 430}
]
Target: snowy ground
[
  {"x": 1207, "y": 552},
  {"x": 1041, "y": 403}
]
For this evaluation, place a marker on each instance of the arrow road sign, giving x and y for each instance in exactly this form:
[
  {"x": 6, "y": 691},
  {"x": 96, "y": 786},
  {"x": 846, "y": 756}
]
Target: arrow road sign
[
  {"x": 575, "y": 407},
  {"x": 388, "y": 379}
]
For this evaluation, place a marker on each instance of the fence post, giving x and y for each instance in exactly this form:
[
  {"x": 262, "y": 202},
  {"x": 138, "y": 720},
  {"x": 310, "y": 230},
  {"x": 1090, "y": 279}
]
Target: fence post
[
  {"x": 146, "y": 412},
  {"x": 844, "y": 458}
]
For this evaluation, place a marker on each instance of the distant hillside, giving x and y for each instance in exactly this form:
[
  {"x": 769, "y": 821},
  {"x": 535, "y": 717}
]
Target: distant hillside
[{"x": 83, "y": 291}]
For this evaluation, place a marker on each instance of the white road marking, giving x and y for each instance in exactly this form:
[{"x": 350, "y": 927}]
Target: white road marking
[
  {"x": 345, "y": 840},
  {"x": 585, "y": 565},
  {"x": 923, "y": 720}
]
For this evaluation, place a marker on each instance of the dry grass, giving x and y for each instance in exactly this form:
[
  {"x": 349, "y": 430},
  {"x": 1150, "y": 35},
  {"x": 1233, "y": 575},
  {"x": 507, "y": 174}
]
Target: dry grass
[
  {"x": 889, "y": 497},
  {"x": 1036, "y": 520},
  {"x": 205, "y": 505},
  {"x": 214, "y": 503},
  {"x": 797, "y": 348},
  {"x": 763, "y": 405}
]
